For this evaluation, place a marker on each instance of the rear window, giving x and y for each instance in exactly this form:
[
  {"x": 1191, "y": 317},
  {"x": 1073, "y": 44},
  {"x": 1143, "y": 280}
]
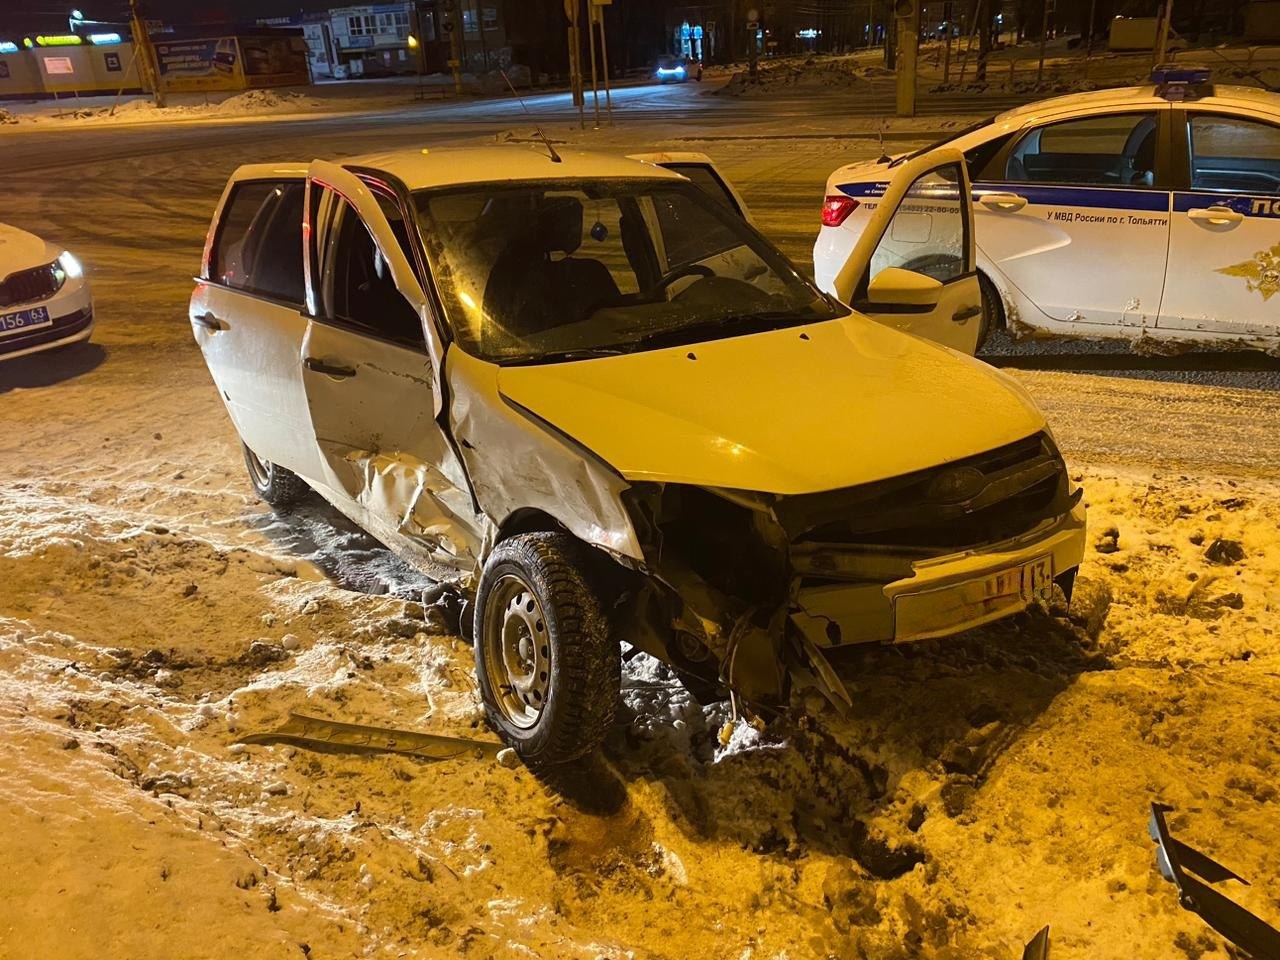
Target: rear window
[{"x": 259, "y": 244}]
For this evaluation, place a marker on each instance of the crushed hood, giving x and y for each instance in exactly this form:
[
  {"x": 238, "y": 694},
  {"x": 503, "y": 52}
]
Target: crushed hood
[
  {"x": 20, "y": 250},
  {"x": 774, "y": 412}
]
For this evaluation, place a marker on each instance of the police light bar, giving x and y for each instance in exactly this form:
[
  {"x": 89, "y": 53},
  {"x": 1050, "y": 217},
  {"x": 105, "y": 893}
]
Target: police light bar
[{"x": 1181, "y": 83}]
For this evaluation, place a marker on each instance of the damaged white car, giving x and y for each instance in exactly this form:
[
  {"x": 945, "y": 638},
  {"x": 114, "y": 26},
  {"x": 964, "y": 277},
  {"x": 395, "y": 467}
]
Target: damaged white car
[{"x": 588, "y": 390}]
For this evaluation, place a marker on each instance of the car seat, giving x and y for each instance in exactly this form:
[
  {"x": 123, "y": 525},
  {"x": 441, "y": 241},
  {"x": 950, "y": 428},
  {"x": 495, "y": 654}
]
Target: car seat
[{"x": 536, "y": 282}]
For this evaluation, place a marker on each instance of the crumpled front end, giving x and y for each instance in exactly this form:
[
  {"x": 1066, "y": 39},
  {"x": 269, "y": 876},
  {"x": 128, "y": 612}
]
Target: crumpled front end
[{"x": 751, "y": 587}]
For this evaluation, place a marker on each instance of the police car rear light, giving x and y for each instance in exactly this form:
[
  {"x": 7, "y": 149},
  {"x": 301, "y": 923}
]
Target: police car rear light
[{"x": 836, "y": 209}]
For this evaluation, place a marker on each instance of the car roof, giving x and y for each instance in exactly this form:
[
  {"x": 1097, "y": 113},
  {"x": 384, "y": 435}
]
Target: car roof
[
  {"x": 449, "y": 166},
  {"x": 1140, "y": 97}
]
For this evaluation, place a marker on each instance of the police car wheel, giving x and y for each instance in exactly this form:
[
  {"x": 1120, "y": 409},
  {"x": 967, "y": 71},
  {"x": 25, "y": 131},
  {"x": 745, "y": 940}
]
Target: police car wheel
[{"x": 992, "y": 310}]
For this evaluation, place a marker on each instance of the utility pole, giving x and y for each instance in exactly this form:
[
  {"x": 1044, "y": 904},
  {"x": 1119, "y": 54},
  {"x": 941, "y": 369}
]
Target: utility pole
[
  {"x": 575, "y": 60},
  {"x": 597, "y": 8},
  {"x": 753, "y": 30},
  {"x": 906, "y": 13},
  {"x": 1093, "y": 9},
  {"x": 1162, "y": 37},
  {"x": 591, "y": 44},
  {"x": 142, "y": 40},
  {"x": 449, "y": 24},
  {"x": 1044, "y": 36}
]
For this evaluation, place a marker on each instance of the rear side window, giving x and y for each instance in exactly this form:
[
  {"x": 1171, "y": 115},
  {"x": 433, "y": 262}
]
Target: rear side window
[
  {"x": 1234, "y": 155},
  {"x": 1114, "y": 150},
  {"x": 259, "y": 245}
]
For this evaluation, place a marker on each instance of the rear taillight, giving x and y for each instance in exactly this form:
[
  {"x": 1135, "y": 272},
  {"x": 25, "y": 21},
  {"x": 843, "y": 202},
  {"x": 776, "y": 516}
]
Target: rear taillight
[{"x": 836, "y": 209}]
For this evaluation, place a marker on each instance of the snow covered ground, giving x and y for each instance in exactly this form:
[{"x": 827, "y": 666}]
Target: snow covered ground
[{"x": 152, "y": 613}]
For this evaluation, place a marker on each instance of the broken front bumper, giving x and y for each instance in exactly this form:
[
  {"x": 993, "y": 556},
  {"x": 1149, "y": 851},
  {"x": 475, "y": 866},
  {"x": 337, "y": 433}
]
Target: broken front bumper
[{"x": 943, "y": 595}]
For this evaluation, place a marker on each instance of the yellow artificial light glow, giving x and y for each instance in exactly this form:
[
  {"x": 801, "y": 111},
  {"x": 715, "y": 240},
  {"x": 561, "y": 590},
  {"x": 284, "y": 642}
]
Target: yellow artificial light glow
[
  {"x": 59, "y": 40},
  {"x": 413, "y": 41}
]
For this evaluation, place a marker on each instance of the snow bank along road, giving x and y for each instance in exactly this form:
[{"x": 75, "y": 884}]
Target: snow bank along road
[{"x": 151, "y": 613}]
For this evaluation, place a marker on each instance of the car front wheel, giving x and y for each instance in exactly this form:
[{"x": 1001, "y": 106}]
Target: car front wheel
[
  {"x": 273, "y": 483},
  {"x": 548, "y": 667}
]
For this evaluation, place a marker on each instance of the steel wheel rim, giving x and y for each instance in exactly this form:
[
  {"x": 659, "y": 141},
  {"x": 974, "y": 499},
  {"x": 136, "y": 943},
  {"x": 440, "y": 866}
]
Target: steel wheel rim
[
  {"x": 260, "y": 469},
  {"x": 517, "y": 651}
]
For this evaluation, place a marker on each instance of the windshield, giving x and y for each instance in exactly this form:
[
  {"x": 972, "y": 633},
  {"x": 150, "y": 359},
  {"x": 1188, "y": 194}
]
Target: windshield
[
  {"x": 560, "y": 269},
  {"x": 949, "y": 138}
]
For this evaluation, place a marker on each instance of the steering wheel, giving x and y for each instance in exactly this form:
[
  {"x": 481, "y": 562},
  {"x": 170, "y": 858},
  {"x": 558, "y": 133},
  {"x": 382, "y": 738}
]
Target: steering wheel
[{"x": 688, "y": 270}]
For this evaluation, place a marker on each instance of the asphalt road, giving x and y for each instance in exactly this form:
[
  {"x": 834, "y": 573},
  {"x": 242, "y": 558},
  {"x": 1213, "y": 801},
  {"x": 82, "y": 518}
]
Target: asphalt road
[{"x": 143, "y": 193}]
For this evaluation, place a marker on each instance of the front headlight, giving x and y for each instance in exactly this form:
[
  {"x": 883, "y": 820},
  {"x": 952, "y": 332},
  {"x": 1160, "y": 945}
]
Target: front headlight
[{"x": 70, "y": 265}]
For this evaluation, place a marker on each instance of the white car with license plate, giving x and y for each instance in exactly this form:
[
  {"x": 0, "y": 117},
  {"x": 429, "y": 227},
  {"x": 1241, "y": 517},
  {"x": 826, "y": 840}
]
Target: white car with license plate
[
  {"x": 589, "y": 393},
  {"x": 1145, "y": 213},
  {"x": 45, "y": 301}
]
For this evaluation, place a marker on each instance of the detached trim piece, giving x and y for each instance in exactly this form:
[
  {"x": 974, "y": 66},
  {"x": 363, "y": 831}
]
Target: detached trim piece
[{"x": 1177, "y": 863}]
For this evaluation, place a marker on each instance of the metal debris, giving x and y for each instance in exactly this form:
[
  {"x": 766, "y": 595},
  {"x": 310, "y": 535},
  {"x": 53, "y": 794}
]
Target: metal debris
[{"x": 332, "y": 736}]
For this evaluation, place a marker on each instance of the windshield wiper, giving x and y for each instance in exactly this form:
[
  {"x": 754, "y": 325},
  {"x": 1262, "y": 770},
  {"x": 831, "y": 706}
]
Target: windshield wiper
[
  {"x": 723, "y": 327},
  {"x": 565, "y": 356}
]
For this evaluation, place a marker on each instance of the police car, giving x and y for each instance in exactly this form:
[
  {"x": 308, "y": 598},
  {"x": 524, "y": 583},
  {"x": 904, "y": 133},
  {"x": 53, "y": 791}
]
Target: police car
[
  {"x": 44, "y": 298},
  {"x": 1141, "y": 213}
]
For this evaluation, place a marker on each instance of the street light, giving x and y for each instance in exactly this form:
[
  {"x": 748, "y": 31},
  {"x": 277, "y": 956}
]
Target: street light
[{"x": 413, "y": 42}]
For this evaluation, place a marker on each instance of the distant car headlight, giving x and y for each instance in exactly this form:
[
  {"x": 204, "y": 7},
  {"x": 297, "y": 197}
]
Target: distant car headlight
[{"x": 70, "y": 265}]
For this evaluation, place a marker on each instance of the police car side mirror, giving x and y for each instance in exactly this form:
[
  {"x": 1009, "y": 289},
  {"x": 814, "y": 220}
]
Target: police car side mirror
[{"x": 894, "y": 286}]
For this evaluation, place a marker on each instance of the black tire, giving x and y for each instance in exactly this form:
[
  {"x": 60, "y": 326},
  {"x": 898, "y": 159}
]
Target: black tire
[
  {"x": 548, "y": 667},
  {"x": 273, "y": 483},
  {"x": 992, "y": 310}
]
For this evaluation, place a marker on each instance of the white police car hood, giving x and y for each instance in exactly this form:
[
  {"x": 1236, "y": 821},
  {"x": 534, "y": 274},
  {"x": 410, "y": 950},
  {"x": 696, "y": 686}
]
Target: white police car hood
[{"x": 20, "y": 250}]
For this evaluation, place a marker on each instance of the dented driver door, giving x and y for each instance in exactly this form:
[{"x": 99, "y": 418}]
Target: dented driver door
[
  {"x": 913, "y": 267},
  {"x": 370, "y": 364}
]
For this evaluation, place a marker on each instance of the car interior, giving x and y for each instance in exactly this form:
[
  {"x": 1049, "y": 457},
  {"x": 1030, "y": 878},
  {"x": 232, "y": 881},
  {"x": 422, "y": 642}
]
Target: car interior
[{"x": 1103, "y": 151}]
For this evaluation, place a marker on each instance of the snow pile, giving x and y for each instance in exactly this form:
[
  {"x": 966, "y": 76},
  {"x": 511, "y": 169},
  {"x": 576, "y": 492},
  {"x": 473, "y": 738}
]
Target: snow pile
[{"x": 799, "y": 78}]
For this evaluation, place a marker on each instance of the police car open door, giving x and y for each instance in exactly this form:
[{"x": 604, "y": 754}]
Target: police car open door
[{"x": 913, "y": 267}]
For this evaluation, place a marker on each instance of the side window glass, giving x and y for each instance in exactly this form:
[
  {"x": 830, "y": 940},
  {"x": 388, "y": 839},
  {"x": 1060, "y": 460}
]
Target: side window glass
[
  {"x": 1234, "y": 155},
  {"x": 1108, "y": 151},
  {"x": 359, "y": 289},
  {"x": 707, "y": 181},
  {"x": 928, "y": 233},
  {"x": 259, "y": 245}
]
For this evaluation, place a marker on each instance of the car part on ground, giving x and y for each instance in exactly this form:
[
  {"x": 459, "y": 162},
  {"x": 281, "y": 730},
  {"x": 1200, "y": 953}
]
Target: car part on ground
[
  {"x": 1191, "y": 872},
  {"x": 333, "y": 736},
  {"x": 1037, "y": 947}
]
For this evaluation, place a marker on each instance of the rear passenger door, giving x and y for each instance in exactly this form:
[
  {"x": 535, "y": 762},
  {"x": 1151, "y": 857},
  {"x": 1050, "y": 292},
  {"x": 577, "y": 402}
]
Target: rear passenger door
[
  {"x": 1075, "y": 214},
  {"x": 246, "y": 314},
  {"x": 370, "y": 371},
  {"x": 1224, "y": 249}
]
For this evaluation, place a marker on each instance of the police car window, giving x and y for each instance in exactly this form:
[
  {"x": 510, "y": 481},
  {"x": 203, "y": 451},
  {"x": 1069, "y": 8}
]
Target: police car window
[
  {"x": 927, "y": 233},
  {"x": 1234, "y": 155},
  {"x": 259, "y": 244},
  {"x": 1110, "y": 150},
  {"x": 360, "y": 291}
]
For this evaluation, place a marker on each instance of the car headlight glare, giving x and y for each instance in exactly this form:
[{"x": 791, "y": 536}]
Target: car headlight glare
[{"x": 70, "y": 265}]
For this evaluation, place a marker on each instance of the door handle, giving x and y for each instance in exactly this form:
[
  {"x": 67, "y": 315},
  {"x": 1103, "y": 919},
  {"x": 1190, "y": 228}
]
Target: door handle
[
  {"x": 337, "y": 371},
  {"x": 209, "y": 322},
  {"x": 1217, "y": 215},
  {"x": 965, "y": 314},
  {"x": 1006, "y": 202}
]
